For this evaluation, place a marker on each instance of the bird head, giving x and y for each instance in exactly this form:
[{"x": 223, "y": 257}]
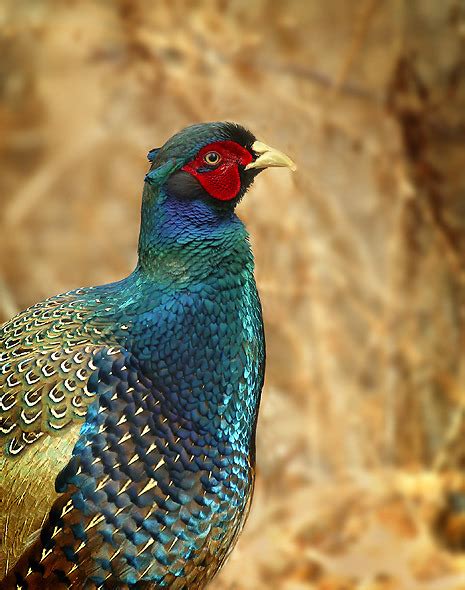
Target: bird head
[{"x": 212, "y": 162}]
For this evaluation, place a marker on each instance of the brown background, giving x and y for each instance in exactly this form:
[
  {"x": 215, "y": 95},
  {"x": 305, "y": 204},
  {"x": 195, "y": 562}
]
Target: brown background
[{"x": 360, "y": 254}]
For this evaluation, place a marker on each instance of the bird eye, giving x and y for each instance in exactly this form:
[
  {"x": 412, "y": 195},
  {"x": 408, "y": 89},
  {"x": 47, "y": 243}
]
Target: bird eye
[{"x": 212, "y": 158}]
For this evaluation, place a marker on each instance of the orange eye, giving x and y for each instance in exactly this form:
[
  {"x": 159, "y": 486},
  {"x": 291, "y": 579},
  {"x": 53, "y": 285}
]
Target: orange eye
[{"x": 212, "y": 158}]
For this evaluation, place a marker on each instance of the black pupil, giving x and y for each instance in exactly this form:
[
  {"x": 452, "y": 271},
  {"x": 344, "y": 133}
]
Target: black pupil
[{"x": 212, "y": 158}]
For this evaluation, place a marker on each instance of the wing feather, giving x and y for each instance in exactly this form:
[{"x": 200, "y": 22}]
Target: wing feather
[{"x": 46, "y": 359}]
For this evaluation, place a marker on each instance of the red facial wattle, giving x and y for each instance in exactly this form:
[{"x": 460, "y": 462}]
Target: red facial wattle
[{"x": 222, "y": 182}]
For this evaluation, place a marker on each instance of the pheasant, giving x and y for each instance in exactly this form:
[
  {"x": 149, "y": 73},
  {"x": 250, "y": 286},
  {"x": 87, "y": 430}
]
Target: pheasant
[{"x": 128, "y": 411}]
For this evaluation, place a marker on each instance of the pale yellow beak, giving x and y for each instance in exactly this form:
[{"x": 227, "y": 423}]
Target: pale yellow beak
[{"x": 269, "y": 157}]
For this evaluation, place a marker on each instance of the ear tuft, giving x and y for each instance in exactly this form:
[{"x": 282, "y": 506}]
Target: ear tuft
[{"x": 153, "y": 154}]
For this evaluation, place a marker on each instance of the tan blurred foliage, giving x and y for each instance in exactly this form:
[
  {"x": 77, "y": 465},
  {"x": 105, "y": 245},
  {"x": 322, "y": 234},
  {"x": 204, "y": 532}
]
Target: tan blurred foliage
[{"x": 360, "y": 255}]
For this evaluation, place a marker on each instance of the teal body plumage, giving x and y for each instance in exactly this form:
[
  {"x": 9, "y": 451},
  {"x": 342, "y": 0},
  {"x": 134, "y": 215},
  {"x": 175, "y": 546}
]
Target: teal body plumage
[{"x": 163, "y": 373}]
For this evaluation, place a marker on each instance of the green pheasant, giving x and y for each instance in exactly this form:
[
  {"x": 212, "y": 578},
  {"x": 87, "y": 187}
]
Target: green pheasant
[{"x": 128, "y": 411}]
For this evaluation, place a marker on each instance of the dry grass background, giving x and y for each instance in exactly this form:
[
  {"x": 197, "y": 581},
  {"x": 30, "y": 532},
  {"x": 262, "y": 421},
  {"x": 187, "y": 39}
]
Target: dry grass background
[{"x": 360, "y": 255}]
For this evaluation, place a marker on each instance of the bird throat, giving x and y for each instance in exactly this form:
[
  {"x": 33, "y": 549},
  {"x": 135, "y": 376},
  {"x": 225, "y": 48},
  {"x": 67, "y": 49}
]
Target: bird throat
[{"x": 183, "y": 240}]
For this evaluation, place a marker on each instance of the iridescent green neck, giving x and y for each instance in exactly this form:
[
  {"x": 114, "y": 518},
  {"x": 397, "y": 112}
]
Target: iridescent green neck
[{"x": 182, "y": 240}]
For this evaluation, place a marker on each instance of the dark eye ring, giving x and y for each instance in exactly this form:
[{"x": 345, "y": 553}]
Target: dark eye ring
[{"x": 212, "y": 158}]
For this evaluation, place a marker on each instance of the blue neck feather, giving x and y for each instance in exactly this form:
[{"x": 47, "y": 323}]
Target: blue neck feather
[{"x": 185, "y": 239}]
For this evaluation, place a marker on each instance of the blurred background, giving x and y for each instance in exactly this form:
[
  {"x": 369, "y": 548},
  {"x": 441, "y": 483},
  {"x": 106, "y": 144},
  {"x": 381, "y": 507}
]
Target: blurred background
[{"x": 360, "y": 254}]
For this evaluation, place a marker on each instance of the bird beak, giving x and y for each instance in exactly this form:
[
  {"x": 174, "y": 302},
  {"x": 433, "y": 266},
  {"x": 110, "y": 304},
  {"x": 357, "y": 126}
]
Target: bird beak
[{"x": 269, "y": 157}]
